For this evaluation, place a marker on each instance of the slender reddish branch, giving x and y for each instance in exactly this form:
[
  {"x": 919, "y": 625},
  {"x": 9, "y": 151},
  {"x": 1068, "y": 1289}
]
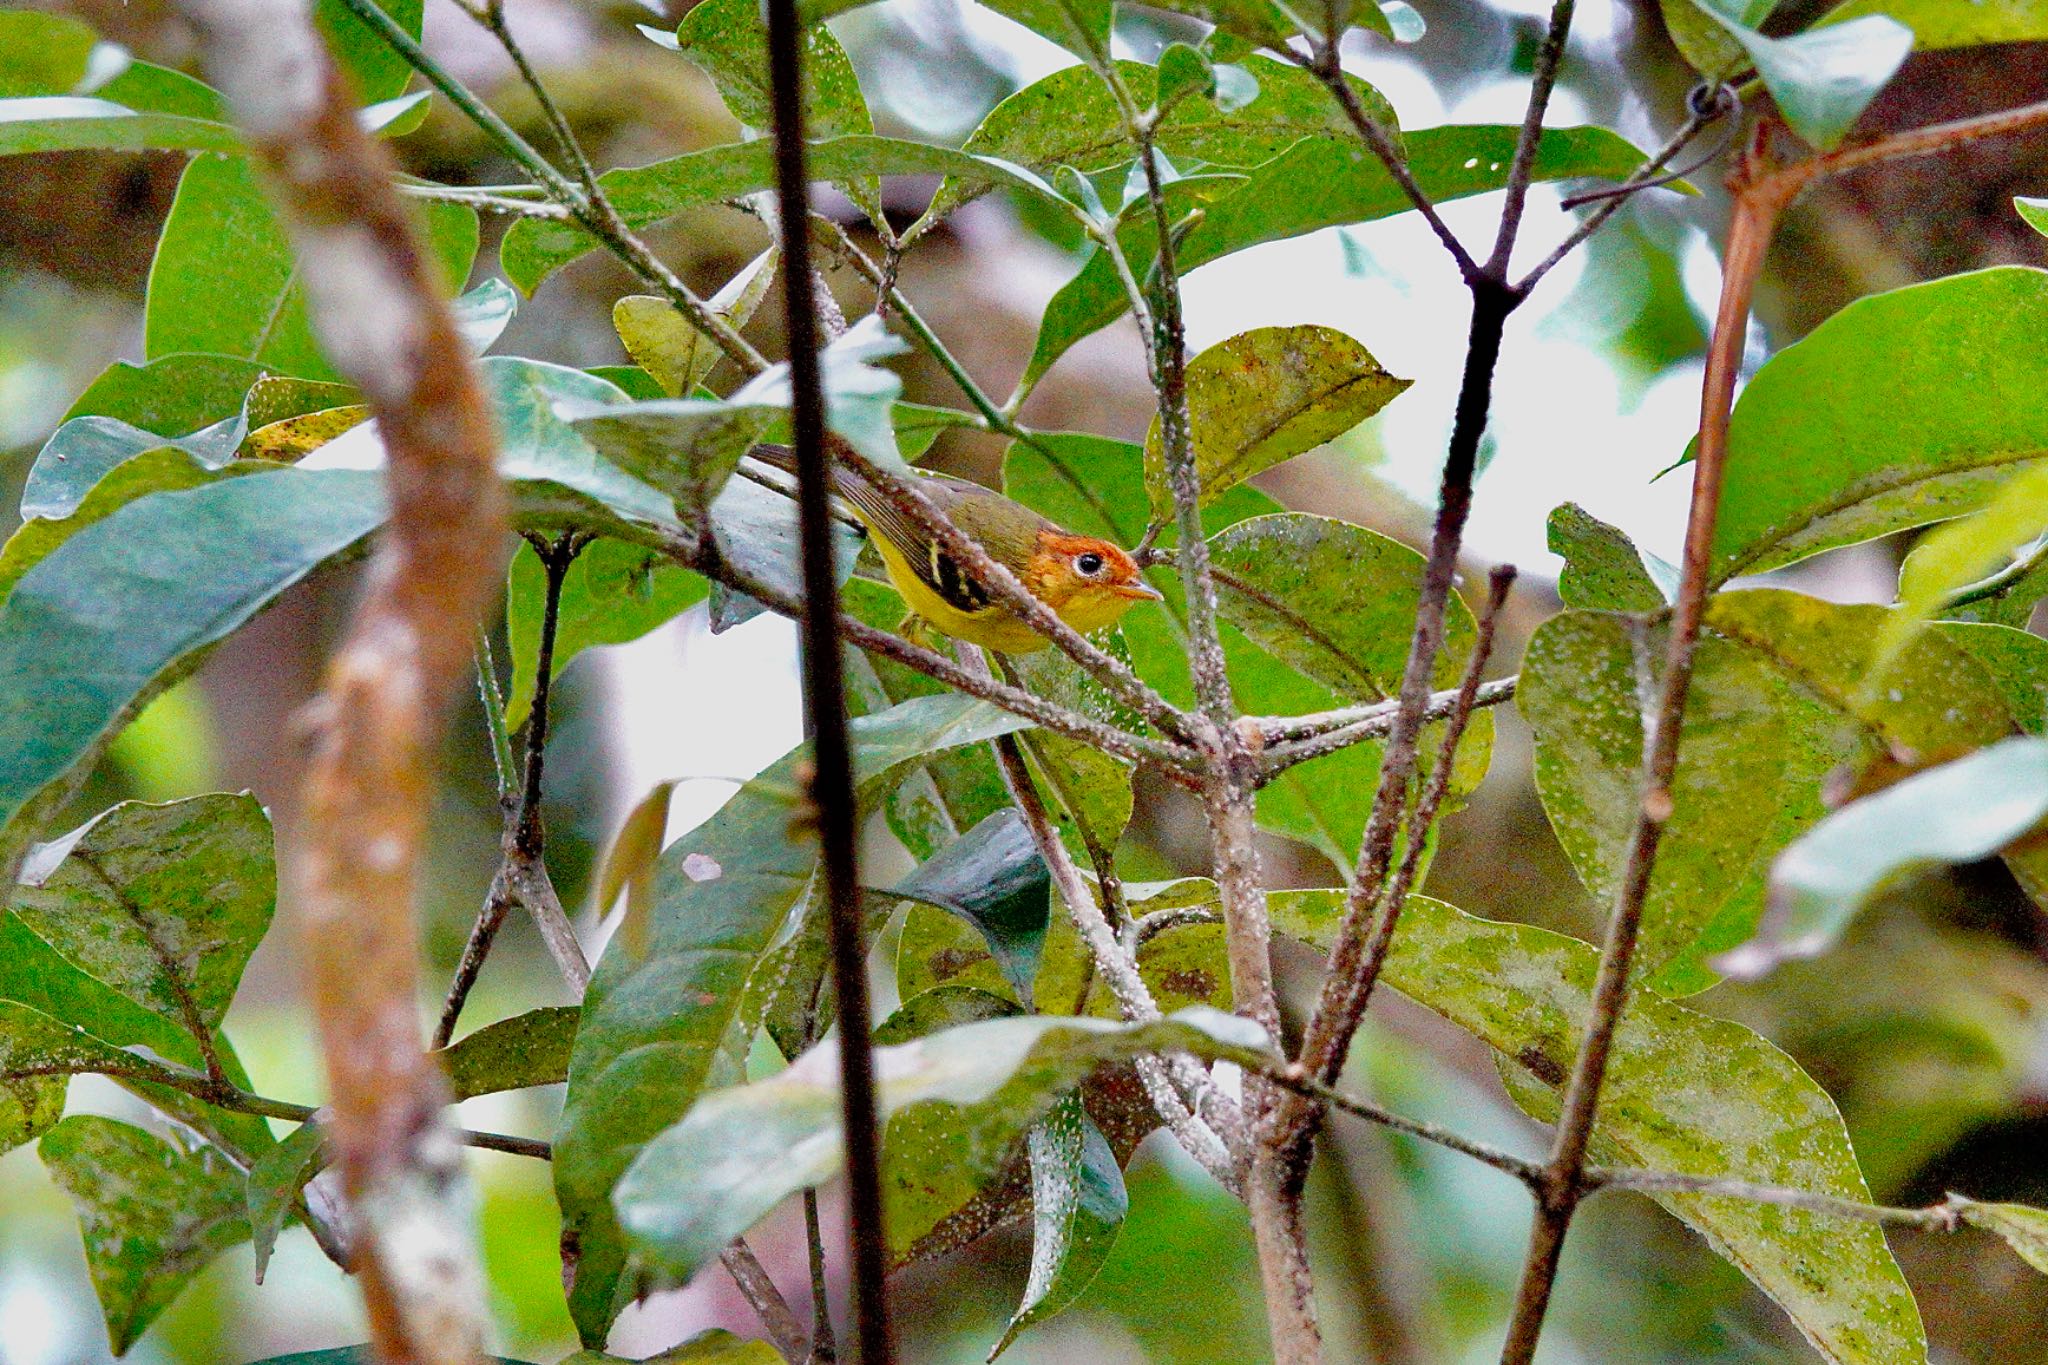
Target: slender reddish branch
[{"x": 381, "y": 317}]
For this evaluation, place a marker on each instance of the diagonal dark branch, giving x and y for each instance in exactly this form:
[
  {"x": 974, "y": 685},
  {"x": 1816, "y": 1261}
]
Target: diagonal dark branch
[{"x": 1522, "y": 171}]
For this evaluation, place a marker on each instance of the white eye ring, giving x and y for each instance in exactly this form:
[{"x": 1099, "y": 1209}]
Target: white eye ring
[{"x": 1088, "y": 564}]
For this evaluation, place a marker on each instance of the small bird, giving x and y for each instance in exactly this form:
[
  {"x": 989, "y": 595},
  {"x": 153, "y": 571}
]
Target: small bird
[{"x": 1088, "y": 582}]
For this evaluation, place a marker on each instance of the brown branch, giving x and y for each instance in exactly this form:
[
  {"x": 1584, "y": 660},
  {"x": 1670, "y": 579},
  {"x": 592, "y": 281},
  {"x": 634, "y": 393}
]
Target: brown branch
[
  {"x": 758, "y": 1289},
  {"x": 1326, "y": 732},
  {"x": 376, "y": 304},
  {"x": 1760, "y": 195},
  {"x": 1522, "y": 170}
]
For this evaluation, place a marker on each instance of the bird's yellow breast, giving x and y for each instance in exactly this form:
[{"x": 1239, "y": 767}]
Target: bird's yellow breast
[{"x": 991, "y": 627}]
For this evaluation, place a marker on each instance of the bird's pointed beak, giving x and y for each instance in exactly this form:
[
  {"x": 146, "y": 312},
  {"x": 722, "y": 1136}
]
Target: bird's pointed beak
[{"x": 1141, "y": 591}]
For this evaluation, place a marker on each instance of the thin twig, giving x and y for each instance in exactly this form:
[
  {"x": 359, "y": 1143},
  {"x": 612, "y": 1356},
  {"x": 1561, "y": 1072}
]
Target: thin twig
[
  {"x": 755, "y": 1286},
  {"x": 824, "y": 1346},
  {"x": 1329, "y": 731},
  {"x": 1522, "y": 170},
  {"x": 1180, "y": 1077},
  {"x": 831, "y": 784},
  {"x": 1759, "y": 197}
]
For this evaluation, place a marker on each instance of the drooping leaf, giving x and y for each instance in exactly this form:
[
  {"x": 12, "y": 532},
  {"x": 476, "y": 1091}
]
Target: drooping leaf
[
  {"x": 153, "y": 1213},
  {"x": 512, "y": 1054},
  {"x": 860, "y": 395},
  {"x": 686, "y": 447},
  {"x": 224, "y": 280},
  {"x": 177, "y": 394},
  {"x": 645, "y": 195},
  {"x": 614, "y": 592},
  {"x": 275, "y": 1183},
  {"x": 656, "y": 1021},
  {"x": 662, "y": 341},
  {"x": 1078, "y": 1203},
  {"x": 1319, "y": 183},
  {"x": 163, "y": 904},
  {"x": 1603, "y": 569},
  {"x": 993, "y": 878},
  {"x": 1070, "y": 118},
  {"x": 1265, "y": 396},
  {"x": 742, "y": 1149},
  {"x": 1824, "y": 79},
  {"x": 1954, "y": 556},
  {"x": 1904, "y": 408},
  {"x": 1684, "y": 1092},
  {"x": 1957, "y": 812},
  {"x": 483, "y": 313},
  {"x": 81, "y": 451}
]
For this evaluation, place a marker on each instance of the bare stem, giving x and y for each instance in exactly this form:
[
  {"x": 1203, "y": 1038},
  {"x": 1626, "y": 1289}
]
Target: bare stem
[
  {"x": 765, "y": 1299},
  {"x": 1522, "y": 171},
  {"x": 1760, "y": 196},
  {"x": 824, "y": 1349},
  {"x": 1301, "y": 738}
]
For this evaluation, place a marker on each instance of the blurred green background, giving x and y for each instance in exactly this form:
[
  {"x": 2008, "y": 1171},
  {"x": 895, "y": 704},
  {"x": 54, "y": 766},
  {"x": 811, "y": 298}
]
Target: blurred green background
[{"x": 1927, "y": 1027}]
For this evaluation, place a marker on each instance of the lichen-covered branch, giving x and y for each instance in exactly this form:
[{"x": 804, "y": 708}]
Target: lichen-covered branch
[{"x": 376, "y": 305}]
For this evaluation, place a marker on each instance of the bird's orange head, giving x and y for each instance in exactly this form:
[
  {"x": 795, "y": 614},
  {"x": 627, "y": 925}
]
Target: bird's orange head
[{"x": 1090, "y": 582}]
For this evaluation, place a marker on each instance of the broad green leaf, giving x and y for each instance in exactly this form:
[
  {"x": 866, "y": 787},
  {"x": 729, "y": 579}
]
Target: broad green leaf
[
  {"x": 645, "y": 195},
  {"x": 177, "y": 394},
  {"x": 1261, "y": 23},
  {"x": 1952, "y": 557},
  {"x": 2033, "y": 212},
  {"x": 615, "y": 592},
  {"x": 153, "y": 471},
  {"x": 940, "y": 1008},
  {"x": 1701, "y": 30},
  {"x": 1265, "y": 396},
  {"x": 727, "y": 40},
  {"x": 757, "y": 533},
  {"x": 276, "y": 1182},
  {"x": 225, "y": 281},
  {"x": 152, "y": 1212},
  {"x": 1778, "y": 701},
  {"x": 42, "y": 54},
  {"x": 1078, "y": 1203},
  {"x": 1603, "y": 569},
  {"x": 29, "y": 1107},
  {"x": 1684, "y": 1092},
  {"x": 686, "y": 447},
  {"x": 483, "y": 313},
  {"x": 656, "y": 1018},
  {"x": 741, "y": 1150},
  {"x": 1944, "y": 23},
  {"x": 374, "y": 70},
  {"x": 163, "y": 904},
  {"x": 118, "y": 610},
  {"x": 64, "y": 123},
  {"x": 664, "y": 343},
  {"x": 1091, "y": 790},
  {"x": 1954, "y": 813},
  {"x": 81, "y": 451},
  {"x": 1324, "y": 182},
  {"x": 1070, "y": 118},
  {"x": 2024, "y": 1229},
  {"x": 994, "y": 880},
  {"x": 361, "y": 1355},
  {"x": 1904, "y": 408},
  {"x": 512, "y": 1054},
  {"x": 860, "y": 396}
]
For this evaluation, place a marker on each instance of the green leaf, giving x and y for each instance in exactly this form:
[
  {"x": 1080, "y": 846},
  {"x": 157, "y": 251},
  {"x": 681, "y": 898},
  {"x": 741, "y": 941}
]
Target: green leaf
[
  {"x": 1262, "y": 23},
  {"x": 615, "y": 592},
  {"x": 1319, "y": 183},
  {"x": 1091, "y": 791},
  {"x": 123, "y": 606},
  {"x": 276, "y": 1182},
  {"x": 1825, "y": 78},
  {"x": 1265, "y": 396},
  {"x": 2024, "y": 1229},
  {"x": 686, "y": 447},
  {"x": 42, "y": 54},
  {"x": 663, "y": 999},
  {"x": 224, "y": 280},
  {"x": 993, "y": 878},
  {"x": 163, "y": 904},
  {"x": 1943, "y": 23},
  {"x": 713, "y": 1346},
  {"x": 483, "y": 313},
  {"x": 1684, "y": 1092},
  {"x": 645, "y": 195},
  {"x": 373, "y": 69},
  {"x": 1603, "y": 569},
  {"x": 860, "y": 396},
  {"x": 152, "y": 1212},
  {"x": 1955, "y": 556},
  {"x": 2033, "y": 212},
  {"x": 512, "y": 1054},
  {"x": 1904, "y": 408},
  {"x": 1953, "y": 813},
  {"x": 64, "y": 123},
  {"x": 1078, "y": 1203},
  {"x": 361, "y": 1355},
  {"x": 740, "y": 1150},
  {"x": 1071, "y": 118},
  {"x": 662, "y": 341},
  {"x": 179, "y": 393},
  {"x": 83, "y": 449}
]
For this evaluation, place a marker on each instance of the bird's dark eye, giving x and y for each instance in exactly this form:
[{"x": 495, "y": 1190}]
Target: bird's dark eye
[{"x": 1088, "y": 565}]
